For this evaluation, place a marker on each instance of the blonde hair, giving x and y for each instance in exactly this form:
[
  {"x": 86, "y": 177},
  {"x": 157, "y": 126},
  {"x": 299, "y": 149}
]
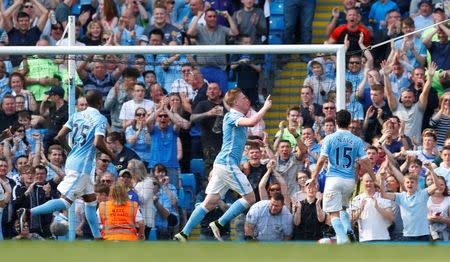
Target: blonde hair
[
  {"x": 137, "y": 169},
  {"x": 118, "y": 194},
  {"x": 412, "y": 176},
  {"x": 231, "y": 95}
]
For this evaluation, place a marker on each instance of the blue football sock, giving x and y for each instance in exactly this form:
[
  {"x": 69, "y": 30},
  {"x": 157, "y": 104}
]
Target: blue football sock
[
  {"x": 235, "y": 209},
  {"x": 345, "y": 219},
  {"x": 196, "y": 217},
  {"x": 341, "y": 235},
  {"x": 50, "y": 207},
  {"x": 1, "y": 229},
  {"x": 91, "y": 217}
]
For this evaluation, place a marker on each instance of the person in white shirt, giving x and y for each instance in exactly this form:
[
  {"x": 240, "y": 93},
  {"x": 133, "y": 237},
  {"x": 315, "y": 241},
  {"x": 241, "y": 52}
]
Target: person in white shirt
[
  {"x": 128, "y": 108},
  {"x": 373, "y": 213}
]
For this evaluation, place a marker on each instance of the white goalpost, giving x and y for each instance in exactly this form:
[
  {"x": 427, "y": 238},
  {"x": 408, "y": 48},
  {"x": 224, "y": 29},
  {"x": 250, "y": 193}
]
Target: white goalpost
[{"x": 71, "y": 50}]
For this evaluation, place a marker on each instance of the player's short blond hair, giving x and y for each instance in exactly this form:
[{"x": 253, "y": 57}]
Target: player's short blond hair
[{"x": 231, "y": 95}]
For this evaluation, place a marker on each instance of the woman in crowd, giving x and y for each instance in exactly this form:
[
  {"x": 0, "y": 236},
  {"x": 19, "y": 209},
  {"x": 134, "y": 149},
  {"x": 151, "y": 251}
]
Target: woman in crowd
[
  {"x": 94, "y": 34},
  {"x": 137, "y": 135},
  {"x": 143, "y": 185},
  {"x": 439, "y": 211},
  {"x": 107, "y": 14},
  {"x": 440, "y": 121},
  {"x": 17, "y": 84}
]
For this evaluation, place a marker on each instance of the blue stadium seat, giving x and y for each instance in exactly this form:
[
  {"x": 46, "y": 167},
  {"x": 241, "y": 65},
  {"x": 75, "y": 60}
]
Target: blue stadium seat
[
  {"x": 231, "y": 85},
  {"x": 189, "y": 188},
  {"x": 276, "y": 23},
  {"x": 275, "y": 39},
  {"x": 277, "y": 7},
  {"x": 198, "y": 166}
]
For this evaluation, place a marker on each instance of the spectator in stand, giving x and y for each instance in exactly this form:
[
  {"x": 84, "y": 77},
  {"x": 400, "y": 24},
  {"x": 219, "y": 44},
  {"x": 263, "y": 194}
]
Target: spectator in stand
[
  {"x": 409, "y": 110},
  {"x": 8, "y": 113},
  {"x": 338, "y": 18},
  {"x": 413, "y": 206},
  {"x": 254, "y": 169},
  {"x": 57, "y": 113},
  {"x": 251, "y": 22},
  {"x": 292, "y": 131},
  {"x": 143, "y": 186},
  {"x": 329, "y": 112},
  {"x": 417, "y": 86},
  {"x": 97, "y": 78},
  {"x": 313, "y": 148},
  {"x": 101, "y": 166},
  {"x": 115, "y": 142},
  {"x": 309, "y": 218},
  {"x": 23, "y": 34},
  {"x": 165, "y": 200},
  {"x": 171, "y": 32},
  {"x": 320, "y": 84},
  {"x": 444, "y": 168},
  {"x": 36, "y": 194},
  {"x": 127, "y": 32},
  {"x": 298, "y": 19},
  {"x": 128, "y": 109},
  {"x": 94, "y": 34},
  {"x": 6, "y": 185},
  {"x": 413, "y": 52},
  {"x": 273, "y": 183},
  {"x": 376, "y": 114},
  {"x": 351, "y": 31},
  {"x": 171, "y": 65},
  {"x": 17, "y": 84},
  {"x": 441, "y": 119},
  {"x": 372, "y": 213},
  {"x": 289, "y": 163},
  {"x": 107, "y": 14},
  {"x": 378, "y": 13},
  {"x": 439, "y": 211},
  {"x": 390, "y": 29},
  {"x": 54, "y": 162},
  {"x": 164, "y": 129},
  {"x": 427, "y": 152},
  {"x": 247, "y": 69},
  {"x": 439, "y": 50},
  {"x": 138, "y": 136},
  {"x": 308, "y": 109},
  {"x": 121, "y": 93},
  {"x": 221, "y": 6},
  {"x": 213, "y": 66},
  {"x": 354, "y": 107},
  {"x": 355, "y": 71},
  {"x": 209, "y": 114},
  {"x": 4, "y": 79},
  {"x": 138, "y": 11},
  {"x": 423, "y": 17},
  {"x": 184, "y": 84},
  {"x": 269, "y": 220},
  {"x": 157, "y": 93}
]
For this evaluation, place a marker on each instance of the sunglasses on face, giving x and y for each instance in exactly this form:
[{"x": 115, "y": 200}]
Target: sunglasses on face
[
  {"x": 105, "y": 160},
  {"x": 354, "y": 62},
  {"x": 275, "y": 189},
  {"x": 140, "y": 114},
  {"x": 163, "y": 116},
  {"x": 105, "y": 181}
]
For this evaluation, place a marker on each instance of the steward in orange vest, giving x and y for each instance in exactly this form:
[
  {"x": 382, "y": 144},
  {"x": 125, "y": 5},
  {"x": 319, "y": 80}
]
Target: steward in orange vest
[{"x": 118, "y": 216}]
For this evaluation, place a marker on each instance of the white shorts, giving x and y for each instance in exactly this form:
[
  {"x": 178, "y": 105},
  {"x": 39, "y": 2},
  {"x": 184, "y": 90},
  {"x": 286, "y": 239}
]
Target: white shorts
[
  {"x": 75, "y": 185},
  {"x": 337, "y": 193},
  {"x": 226, "y": 177}
]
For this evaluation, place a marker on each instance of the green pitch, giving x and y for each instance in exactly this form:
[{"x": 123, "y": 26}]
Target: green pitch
[{"x": 214, "y": 252}]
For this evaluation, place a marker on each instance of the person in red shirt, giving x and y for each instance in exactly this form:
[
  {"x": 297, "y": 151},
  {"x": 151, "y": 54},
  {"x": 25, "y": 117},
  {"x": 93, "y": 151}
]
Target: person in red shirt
[{"x": 353, "y": 29}]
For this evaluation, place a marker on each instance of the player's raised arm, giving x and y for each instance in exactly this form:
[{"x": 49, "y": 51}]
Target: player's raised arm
[{"x": 254, "y": 119}]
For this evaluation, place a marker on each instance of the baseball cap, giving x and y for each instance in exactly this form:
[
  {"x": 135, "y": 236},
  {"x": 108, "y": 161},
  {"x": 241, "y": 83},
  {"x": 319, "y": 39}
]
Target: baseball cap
[
  {"x": 56, "y": 90},
  {"x": 125, "y": 173},
  {"x": 439, "y": 6},
  {"x": 428, "y": 2}
]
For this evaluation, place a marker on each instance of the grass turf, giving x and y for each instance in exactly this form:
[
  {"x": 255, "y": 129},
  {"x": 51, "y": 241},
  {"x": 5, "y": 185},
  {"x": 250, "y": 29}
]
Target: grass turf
[{"x": 215, "y": 252}]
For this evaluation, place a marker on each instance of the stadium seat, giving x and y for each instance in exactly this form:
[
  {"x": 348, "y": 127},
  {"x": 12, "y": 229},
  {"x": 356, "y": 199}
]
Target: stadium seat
[
  {"x": 277, "y": 7},
  {"x": 189, "y": 188},
  {"x": 231, "y": 85},
  {"x": 275, "y": 39},
  {"x": 197, "y": 166},
  {"x": 276, "y": 23}
]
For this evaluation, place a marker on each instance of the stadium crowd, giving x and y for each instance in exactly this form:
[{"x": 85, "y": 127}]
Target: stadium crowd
[{"x": 166, "y": 111}]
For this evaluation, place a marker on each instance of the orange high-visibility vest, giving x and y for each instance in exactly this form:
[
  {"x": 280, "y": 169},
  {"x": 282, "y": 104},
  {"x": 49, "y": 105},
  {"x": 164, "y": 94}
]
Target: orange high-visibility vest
[{"x": 119, "y": 221}]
